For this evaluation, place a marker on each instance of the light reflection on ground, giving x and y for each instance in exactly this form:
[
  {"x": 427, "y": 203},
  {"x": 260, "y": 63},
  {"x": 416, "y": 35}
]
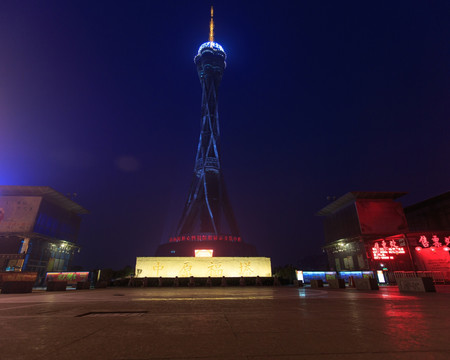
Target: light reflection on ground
[{"x": 226, "y": 323}]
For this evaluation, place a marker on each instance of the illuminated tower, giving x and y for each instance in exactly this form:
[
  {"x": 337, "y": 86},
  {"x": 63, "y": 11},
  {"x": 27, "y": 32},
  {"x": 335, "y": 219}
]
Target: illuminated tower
[{"x": 207, "y": 216}]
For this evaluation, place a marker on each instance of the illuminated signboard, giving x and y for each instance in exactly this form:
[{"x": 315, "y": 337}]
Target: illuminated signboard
[
  {"x": 434, "y": 253},
  {"x": 380, "y": 276},
  {"x": 356, "y": 274},
  {"x": 71, "y": 277},
  {"x": 170, "y": 267},
  {"x": 203, "y": 253},
  {"x": 307, "y": 276},
  {"x": 382, "y": 251}
]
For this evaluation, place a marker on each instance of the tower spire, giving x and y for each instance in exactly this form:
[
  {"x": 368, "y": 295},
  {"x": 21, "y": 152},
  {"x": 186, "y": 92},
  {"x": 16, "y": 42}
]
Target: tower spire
[{"x": 211, "y": 26}]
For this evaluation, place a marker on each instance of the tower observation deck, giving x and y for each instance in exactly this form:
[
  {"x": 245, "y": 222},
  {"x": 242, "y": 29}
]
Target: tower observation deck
[{"x": 208, "y": 221}]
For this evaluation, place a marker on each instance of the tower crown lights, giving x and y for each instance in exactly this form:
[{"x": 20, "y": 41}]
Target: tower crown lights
[{"x": 210, "y": 45}]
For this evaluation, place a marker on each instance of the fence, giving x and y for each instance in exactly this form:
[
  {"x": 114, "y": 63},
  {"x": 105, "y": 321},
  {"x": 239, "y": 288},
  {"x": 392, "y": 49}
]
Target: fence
[{"x": 439, "y": 277}]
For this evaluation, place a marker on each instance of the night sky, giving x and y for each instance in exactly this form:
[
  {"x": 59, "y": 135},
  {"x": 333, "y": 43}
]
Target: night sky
[{"x": 102, "y": 99}]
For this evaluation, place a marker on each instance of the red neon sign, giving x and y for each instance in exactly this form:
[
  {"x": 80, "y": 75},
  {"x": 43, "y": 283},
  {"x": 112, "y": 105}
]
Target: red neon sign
[
  {"x": 381, "y": 251},
  {"x": 205, "y": 238},
  {"x": 434, "y": 242}
]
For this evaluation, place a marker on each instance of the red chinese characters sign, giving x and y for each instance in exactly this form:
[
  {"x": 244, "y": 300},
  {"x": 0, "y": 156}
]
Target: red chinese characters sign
[
  {"x": 433, "y": 253},
  {"x": 205, "y": 238},
  {"x": 383, "y": 250},
  {"x": 434, "y": 242}
]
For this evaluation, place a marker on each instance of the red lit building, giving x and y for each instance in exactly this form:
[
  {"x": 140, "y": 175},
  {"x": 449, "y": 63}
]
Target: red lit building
[
  {"x": 429, "y": 225},
  {"x": 372, "y": 231},
  {"x": 357, "y": 223}
]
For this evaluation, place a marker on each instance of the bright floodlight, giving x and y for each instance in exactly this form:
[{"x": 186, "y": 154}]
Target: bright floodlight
[{"x": 203, "y": 253}]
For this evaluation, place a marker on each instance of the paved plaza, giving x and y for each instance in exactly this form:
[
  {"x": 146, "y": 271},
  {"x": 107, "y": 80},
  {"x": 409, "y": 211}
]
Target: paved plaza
[{"x": 225, "y": 323}]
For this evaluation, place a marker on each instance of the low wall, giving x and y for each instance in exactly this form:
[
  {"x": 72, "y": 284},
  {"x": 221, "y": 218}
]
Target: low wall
[
  {"x": 422, "y": 284},
  {"x": 336, "y": 283},
  {"x": 17, "y": 282},
  {"x": 316, "y": 283},
  {"x": 366, "y": 284},
  {"x": 17, "y": 287},
  {"x": 56, "y": 285}
]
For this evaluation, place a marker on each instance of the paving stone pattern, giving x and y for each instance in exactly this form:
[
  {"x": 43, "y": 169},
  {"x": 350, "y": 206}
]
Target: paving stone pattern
[{"x": 225, "y": 323}]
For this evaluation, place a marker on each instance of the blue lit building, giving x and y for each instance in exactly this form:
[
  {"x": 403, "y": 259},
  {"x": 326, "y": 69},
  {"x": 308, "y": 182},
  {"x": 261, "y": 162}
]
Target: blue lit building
[{"x": 38, "y": 229}]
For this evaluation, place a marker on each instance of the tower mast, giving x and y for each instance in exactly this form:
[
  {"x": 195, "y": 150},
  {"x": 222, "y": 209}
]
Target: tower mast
[{"x": 211, "y": 26}]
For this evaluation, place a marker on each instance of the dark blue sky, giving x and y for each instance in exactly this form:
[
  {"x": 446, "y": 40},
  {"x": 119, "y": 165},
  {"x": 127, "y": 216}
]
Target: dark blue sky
[{"x": 318, "y": 99}]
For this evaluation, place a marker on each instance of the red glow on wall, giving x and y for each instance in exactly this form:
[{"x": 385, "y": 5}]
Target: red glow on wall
[{"x": 434, "y": 259}]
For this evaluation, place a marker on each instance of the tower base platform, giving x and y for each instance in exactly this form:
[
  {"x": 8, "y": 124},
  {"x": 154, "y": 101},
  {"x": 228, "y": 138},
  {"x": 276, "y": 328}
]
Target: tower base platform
[
  {"x": 220, "y": 248},
  {"x": 170, "y": 267}
]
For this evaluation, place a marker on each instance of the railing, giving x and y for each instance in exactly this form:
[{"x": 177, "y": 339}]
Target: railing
[{"x": 439, "y": 277}]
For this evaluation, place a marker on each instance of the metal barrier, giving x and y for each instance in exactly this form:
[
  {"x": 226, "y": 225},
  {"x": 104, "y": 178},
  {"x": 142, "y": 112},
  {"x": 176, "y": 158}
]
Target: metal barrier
[
  {"x": 391, "y": 278},
  {"x": 438, "y": 277}
]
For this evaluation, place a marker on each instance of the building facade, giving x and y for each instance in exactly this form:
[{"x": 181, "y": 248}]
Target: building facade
[
  {"x": 38, "y": 229},
  {"x": 359, "y": 222},
  {"x": 429, "y": 223},
  {"x": 372, "y": 231},
  {"x": 430, "y": 215}
]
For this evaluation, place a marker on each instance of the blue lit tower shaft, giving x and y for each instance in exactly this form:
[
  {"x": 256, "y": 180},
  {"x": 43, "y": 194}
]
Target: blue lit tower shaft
[{"x": 207, "y": 209}]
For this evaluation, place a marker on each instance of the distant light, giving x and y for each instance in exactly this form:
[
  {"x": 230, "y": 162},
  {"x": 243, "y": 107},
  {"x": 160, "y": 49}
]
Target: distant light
[
  {"x": 204, "y": 253},
  {"x": 433, "y": 248},
  {"x": 446, "y": 248},
  {"x": 418, "y": 248}
]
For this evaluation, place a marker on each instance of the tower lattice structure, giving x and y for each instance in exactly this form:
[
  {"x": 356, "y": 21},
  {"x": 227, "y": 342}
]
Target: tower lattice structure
[
  {"x": 207, "y": 213},
  {"x": 208, "y": 221}
]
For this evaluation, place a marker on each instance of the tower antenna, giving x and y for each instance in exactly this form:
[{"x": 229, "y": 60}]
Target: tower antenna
[{"x": 211, "y": 26}]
